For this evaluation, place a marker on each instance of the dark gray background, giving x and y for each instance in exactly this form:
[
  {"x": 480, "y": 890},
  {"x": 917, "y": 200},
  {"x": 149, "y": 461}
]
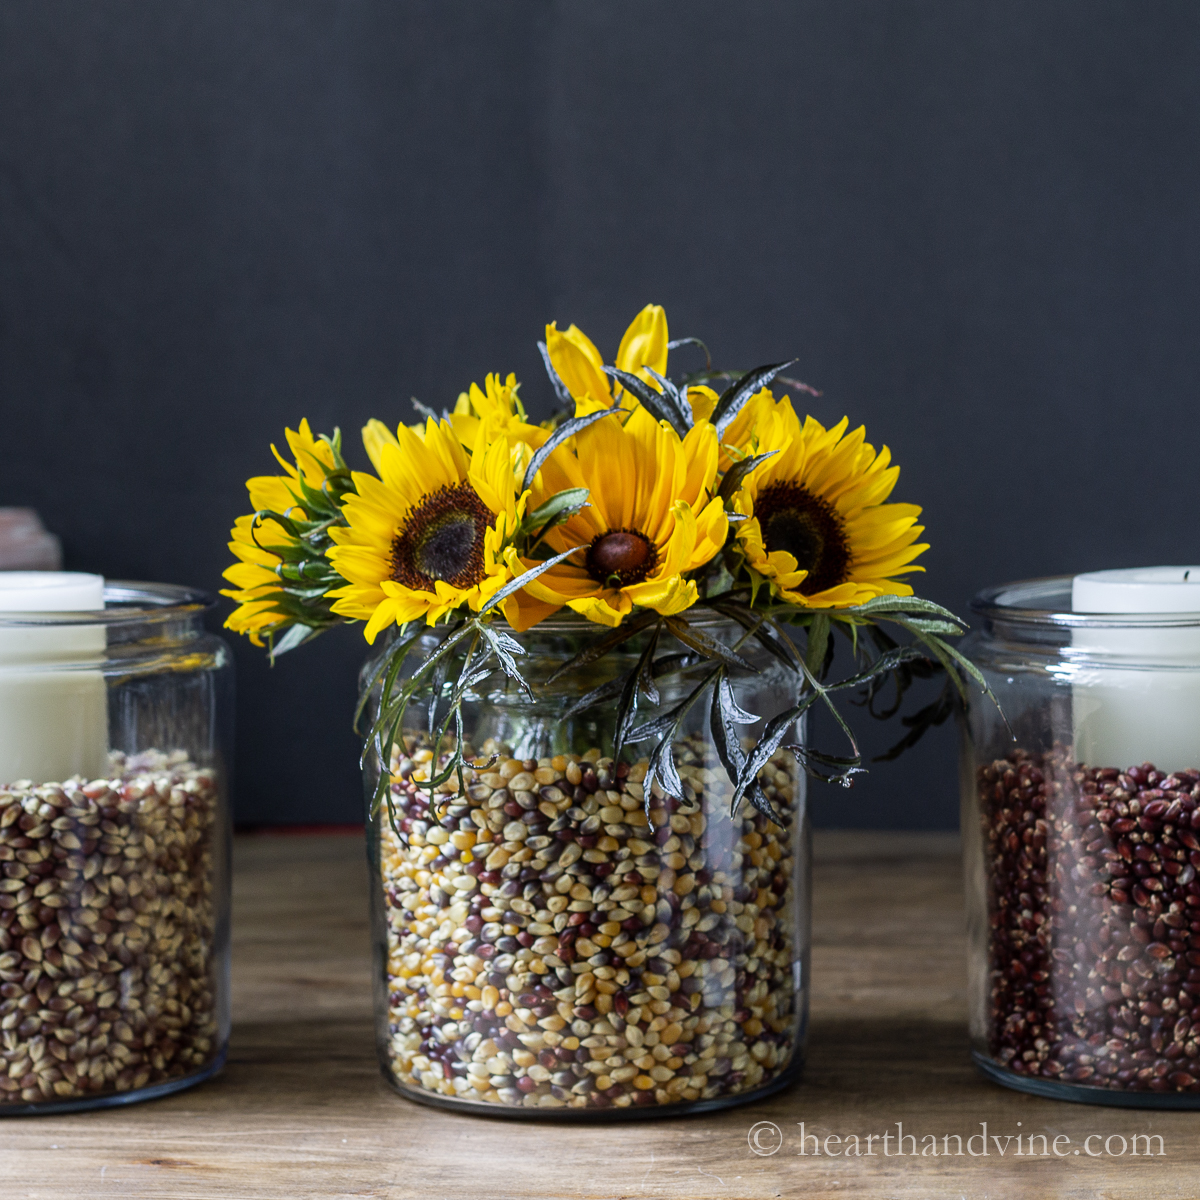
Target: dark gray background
[{"x": 973, "y": 223}]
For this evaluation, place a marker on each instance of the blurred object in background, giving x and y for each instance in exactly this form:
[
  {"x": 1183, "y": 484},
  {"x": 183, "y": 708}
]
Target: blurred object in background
[{"x": 25, "y": 544}]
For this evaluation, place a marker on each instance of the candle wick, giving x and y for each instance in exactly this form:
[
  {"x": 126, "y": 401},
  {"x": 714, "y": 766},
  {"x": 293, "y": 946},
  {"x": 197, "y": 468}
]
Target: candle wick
[{"x": 1186, "y": 574}]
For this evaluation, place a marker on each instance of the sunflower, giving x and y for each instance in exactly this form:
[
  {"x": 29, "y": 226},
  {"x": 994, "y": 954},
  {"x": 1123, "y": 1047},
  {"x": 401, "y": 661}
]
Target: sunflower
[
  {"x": 495, "y": 405},
  {"x": 818, "y": 530},
  {"x": 428, "y": 535},
  {"x": 581, "y": 367},
  {"x": 651, "y": 518},
  {"x": 257, "y": 585}
]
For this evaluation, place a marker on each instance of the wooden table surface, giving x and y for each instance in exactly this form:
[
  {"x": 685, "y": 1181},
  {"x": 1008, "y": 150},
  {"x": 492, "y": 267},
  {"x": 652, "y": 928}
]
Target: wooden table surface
[{"x": 301, "y": 1109}]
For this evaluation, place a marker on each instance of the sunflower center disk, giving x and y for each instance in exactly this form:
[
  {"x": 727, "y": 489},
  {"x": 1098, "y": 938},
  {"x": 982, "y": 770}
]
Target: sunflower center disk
[
  {"x": 623, "y": 555},
  {"x": 443, "y": 538},
  {"x": 809, "y": 529}
]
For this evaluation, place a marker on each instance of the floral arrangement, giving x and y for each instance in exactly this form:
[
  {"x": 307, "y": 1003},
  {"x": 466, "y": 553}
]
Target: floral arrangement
[{"x": 641, "y": 505}]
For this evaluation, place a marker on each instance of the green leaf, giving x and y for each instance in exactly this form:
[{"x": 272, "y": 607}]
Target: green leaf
[
  {"x": 297, "y": 635},
  {"x": 734, "y": 398},
  {"x": 503, "y": 650},
  {"x": 696, "y": 639},
  {"x": 515, "y": 585},
  {"x": 627, "y": 702},
  {"x": 775, "y": 730},
  {"x": 725, "y": 714},
  {"x": 679, "y": 343},
  {"x": 602, "y": 644},
  {"x": 839, "y": 770},
  {"x": 436, "y": 684},
  {"x": 568, "y": 429},
  {"x": 907, "y": 605},
  {"x": 662, "y": 405},
  {"x": 561, "y": 391},
  {"x": 661, "y": 765},
  {"x": 922, "y": 721},
  {"x": 927, "y": 626},
  {"x": 884, "y": 664},
  {"x": 560, "y": 507},
  {"x": 734, "y": 476},
  {"x": 818, "y": 644},
  {"x": 678, "y": 396},
  {"x": 389, "y": 664},
  {"x": 756, "y": 624},
  {"x": 666, "y": 665}
]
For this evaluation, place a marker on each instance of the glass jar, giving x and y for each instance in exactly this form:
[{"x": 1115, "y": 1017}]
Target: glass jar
[
  {"x": 1081, "y": 856},
  {"x": 544, "y": 948},
  {"x": 114, "y": 851}
]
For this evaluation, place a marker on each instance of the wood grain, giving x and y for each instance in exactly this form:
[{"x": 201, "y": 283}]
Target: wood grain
[{"x": 301, "y": 1110}]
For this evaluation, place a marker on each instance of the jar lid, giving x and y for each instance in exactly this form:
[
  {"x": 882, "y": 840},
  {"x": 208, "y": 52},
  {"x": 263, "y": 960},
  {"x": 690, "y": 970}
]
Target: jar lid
[{"x": 1047, "y": 605}]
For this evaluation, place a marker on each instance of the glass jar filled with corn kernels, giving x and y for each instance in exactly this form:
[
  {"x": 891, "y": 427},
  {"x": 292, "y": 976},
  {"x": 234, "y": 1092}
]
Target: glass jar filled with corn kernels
[
  {"x": 114, "y": 842},
  {"x": 1081, "y": 836},
  {"x": 551, "y": 942}
]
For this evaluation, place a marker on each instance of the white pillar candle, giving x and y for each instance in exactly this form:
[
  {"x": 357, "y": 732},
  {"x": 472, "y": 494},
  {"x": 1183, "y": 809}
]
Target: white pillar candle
[
  {"x": 53, "y": 700},
  {"x": 1136, "y": 693}
]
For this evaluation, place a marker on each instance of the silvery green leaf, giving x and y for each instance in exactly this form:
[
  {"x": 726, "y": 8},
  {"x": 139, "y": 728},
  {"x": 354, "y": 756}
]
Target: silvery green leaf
[
  {"x": 296, "y": 636},
  {"x": 696, "y": 639},
  {"x": 731, "y": 708},
  {"x": 436, "y": 684},
  {"x": 734, "y": 398},
  {"x": 515, "y": 585},
  {"x": 922, "y": 721},
  {"x": 627, "y": 703},
  {"x": 738, "y": 472},
  {"x": 769, "y": 741},
  {"x": 661, "y": 767},
  {"x": 757, "y": 624},
  {"x": 882, "y": 665},
  {"x": 559, "y": 508},
  {"x": 930, "y": 626},
  {"x": 561, "y": 391},
  {"x": 665, "y": 665},
  {"x": 601, "y": 645},
  {"x": 818, "y": 644},
  {"x": 661, "y": 406},
  {"x": 679, "y": 343},
  {"x": 677, "y": 395},
  {"x": 912, "y": 605},
  {"x": 566, "y": 430}
]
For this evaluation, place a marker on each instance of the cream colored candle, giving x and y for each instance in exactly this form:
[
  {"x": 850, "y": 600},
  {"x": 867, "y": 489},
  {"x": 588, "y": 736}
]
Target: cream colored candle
[
  {"x": 53, "y": 700},
  {"x": 1136, "y": 692}
]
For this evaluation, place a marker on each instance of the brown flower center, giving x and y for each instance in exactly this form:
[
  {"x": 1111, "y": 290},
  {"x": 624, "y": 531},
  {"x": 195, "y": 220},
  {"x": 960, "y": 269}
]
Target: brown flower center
[
  {"x": 809, "y": 529},
  {"x": 621, "y": 557},
  {"x": 442, "y": 538}
]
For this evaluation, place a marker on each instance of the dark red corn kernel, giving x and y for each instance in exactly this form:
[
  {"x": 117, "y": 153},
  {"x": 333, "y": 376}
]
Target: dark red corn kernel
[{"x": 1074, "y": 962}]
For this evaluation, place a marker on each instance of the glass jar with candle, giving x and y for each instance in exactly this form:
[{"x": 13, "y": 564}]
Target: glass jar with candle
[
  {"x": 114, "y": 842},
  {"x": 549, "y": 944},
  {"x": 1081, "y": 831}
]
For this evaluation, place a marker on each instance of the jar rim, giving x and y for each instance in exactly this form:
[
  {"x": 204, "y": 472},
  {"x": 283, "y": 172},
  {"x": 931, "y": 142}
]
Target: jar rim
[
  {"x": 573, "y": 622},
  {"x": 1039, "y": 604},
  {"x": 126, "y": 602}
]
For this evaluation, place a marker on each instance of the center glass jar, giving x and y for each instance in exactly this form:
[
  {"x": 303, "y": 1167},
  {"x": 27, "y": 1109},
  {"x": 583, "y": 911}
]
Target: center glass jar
[
  {"x": 114, "y": 850},
  {"x": 1081, "y": 833},
  {"x": 547, "y": 944}
]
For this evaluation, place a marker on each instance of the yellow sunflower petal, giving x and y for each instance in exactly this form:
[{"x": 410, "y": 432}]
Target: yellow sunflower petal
[
  {"x": 645, "y": 343},
  {"x": 600, "y": 610},
  {"x": 375, "y": 436},
  {"x": 578, "y": 363}
]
